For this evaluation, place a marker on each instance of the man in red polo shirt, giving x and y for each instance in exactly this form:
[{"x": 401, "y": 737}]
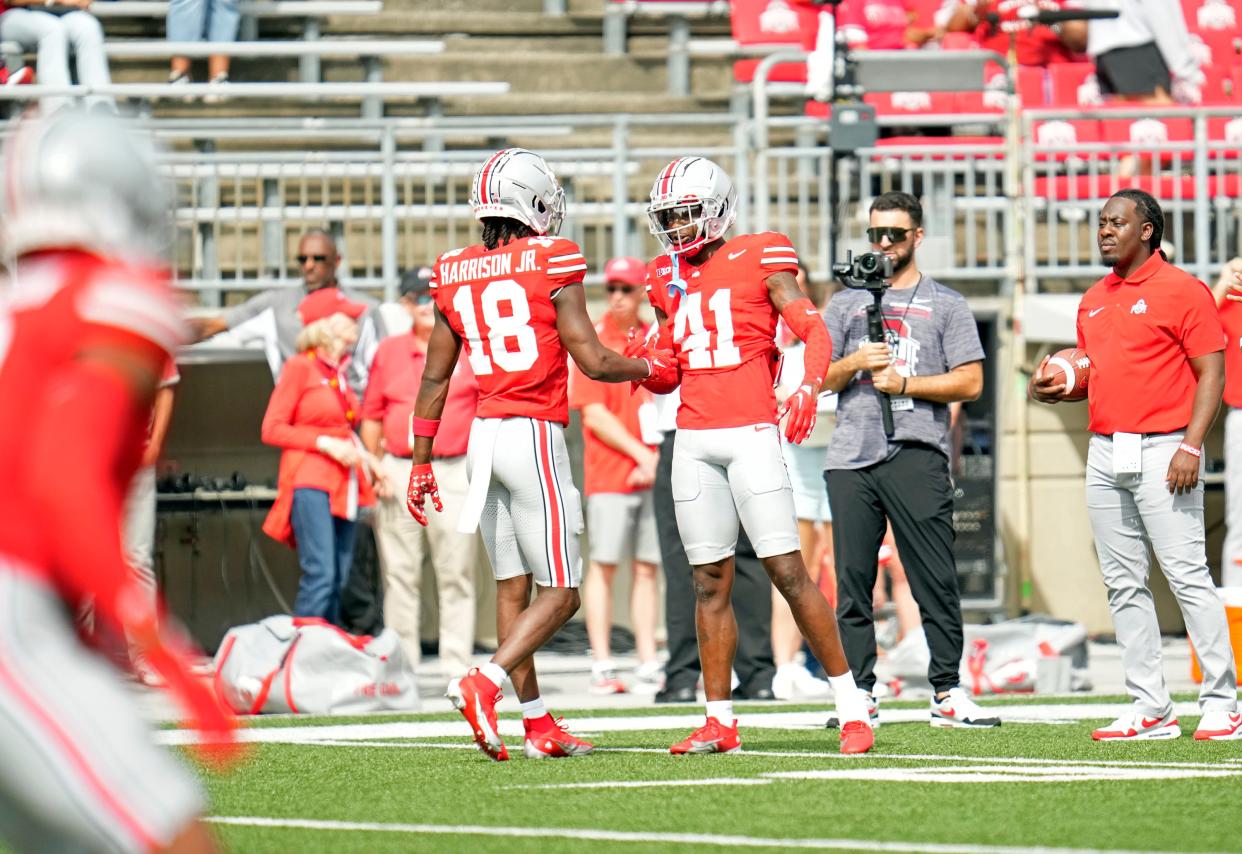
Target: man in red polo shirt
[
  {"x": 1157, "y": 370},
  {"x": 396, "y": 373},
  {"x": 619, "y": 470}
]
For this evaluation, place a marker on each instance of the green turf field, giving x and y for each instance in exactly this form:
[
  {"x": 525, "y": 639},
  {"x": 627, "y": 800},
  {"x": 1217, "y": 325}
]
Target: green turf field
[{"x": 409, "y": 783}]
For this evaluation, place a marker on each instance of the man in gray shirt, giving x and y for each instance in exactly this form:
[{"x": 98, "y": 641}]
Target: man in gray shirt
[
  {"x": 932, "y": 357},
  {"x": 272, "y": 316}
]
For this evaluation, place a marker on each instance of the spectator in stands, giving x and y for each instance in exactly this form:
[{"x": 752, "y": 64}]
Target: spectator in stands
[
  {"x": 1144, "y": 55},
  {"x": 404, "y": 544},
  {"x": 272, "y": 316},
  {"x": 1231, "y": 319},
  {"x": 1035, "y": 45},
  {"x": 53, "y": 35},
  {"x": 325, "y": 473},
  {"x": 197, "y": 21},
  {"x": 883, "y": 25},
  {"x": 805, "y": 463},
  {"x": 619, "y": 465}
]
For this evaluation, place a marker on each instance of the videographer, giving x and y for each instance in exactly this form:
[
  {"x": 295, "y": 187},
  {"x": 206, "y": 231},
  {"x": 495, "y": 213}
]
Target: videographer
[{"x": 931, "y": 357}]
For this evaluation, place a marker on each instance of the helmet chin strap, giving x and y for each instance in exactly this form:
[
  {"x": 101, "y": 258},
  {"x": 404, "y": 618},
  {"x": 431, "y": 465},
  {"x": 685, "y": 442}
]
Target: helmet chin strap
[{"x": 678, "y": 284}]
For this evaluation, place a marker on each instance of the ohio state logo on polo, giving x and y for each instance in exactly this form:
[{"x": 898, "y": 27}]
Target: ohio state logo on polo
[{"x": 1140, "y": 334}]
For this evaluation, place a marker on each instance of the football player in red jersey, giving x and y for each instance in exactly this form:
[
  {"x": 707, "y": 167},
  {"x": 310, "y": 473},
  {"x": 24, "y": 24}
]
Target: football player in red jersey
[
  {"x": 717, "y": 303},
  {"x": 516, "y": 301},
  {"x": 87, "y": 324}
]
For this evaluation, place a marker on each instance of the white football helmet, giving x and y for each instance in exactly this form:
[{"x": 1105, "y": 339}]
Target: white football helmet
[
  {"x": 517, "y": 184},
  {"x": 691, "y": 191},
  {"x": 88, "y": 181}
]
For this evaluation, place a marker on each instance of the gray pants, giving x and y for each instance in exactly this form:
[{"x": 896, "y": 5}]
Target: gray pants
[
  {"x": 52, "y": 37},
  {"x": 1231, "y": 557},
  {"x": 1128, "y": 512}
]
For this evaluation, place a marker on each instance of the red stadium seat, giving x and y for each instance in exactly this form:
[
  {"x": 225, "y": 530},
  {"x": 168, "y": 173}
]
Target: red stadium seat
[
  {"x": 1217, "y": 47},
  {"x": 1164, "y": 187},
  {"x": 772, "y": 22},
  {"x": 1226, "y": 129},
  {"x": 1074, "y": 84},
  {"x": 1208, "y": 15},
  {"x": 1066, "y": 134},
  {"x": 1216, "y": 89},
  {"x": 913, "y": 103}
]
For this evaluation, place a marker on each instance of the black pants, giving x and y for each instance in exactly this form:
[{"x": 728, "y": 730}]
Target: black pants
[
  {"x": 913, "y": 491},
  {"x": 362, "y": 599},
  {"x": 752, "y": 598}
]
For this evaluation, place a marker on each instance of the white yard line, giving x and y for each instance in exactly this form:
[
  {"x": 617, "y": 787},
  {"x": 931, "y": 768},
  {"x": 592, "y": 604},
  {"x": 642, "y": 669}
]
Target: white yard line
[
  {"x": 685, "y": 720},
  {"x": 598, "y": 835}
]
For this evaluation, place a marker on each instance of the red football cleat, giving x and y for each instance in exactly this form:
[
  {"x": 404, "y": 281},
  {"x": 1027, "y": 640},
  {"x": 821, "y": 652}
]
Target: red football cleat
[
  {"x": 856, "y": 737},
  {"x": 712, "y": 737},
  {"x": 547, "y": 738},
  {"x": 476, "y": 696}
]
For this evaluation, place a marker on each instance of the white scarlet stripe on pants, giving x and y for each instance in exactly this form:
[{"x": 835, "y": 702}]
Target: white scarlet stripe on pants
[
  {"x": 531, "y": 513},
  {"x": 1127, "y": 511}
]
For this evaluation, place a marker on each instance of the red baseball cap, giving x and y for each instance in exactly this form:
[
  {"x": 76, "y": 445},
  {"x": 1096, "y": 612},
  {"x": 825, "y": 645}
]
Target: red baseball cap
[
  {"x": 628, "y": 271},
  {"x": 326, "y": 302}
]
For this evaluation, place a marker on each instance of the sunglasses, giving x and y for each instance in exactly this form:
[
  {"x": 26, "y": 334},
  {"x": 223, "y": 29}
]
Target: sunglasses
[
  {"x": 894, "y": 235},
  {"x": 423, "y": 299},
  {"x": 620, "y": 289},
  {"x": 318, "y": 259}
]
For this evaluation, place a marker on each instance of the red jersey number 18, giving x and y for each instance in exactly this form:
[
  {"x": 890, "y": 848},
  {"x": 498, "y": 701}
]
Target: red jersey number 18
[
  {"x": 511, "y": 341},
  {"x": 697, "y": 343}
]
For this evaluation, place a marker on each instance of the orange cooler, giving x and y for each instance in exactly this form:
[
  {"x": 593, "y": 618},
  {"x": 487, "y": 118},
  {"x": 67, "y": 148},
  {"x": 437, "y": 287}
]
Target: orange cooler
[{"x": 1233, "y": 613}]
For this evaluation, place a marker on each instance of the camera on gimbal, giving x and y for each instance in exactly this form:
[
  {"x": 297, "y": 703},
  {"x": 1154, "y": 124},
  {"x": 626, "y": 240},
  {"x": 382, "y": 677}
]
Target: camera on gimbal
[{"x": 869, "y": 271}]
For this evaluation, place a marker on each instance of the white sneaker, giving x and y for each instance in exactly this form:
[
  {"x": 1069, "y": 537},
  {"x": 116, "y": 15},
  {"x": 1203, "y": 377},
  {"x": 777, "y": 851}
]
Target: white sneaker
[
  {"x": 873, "y": 713},
  {"x": 649, "y": 677},
  {"x": 794, "y": 682},
  {"x": 1135, "y": 726},
  {"x": 604, "y": 680},
  {"x": 1219, "y": 725},
  {"x": 957, "y": 710}
]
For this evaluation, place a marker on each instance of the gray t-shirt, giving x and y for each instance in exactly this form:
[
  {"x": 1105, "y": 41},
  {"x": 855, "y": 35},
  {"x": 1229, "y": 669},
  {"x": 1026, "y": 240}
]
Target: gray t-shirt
[
  {"x": 273, "y": 316},
  {"x": 931, "y": 331}
]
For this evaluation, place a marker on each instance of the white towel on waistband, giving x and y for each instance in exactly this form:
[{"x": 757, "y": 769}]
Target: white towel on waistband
[{"x": 482, "y": 445}]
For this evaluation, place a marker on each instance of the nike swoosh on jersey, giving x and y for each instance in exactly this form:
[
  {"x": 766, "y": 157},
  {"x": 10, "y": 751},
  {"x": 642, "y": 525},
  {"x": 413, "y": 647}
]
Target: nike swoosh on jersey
[{"x": 733, "y": 255}]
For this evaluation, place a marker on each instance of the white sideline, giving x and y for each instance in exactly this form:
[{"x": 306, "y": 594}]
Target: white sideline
[{"x": 731, "y": 841}]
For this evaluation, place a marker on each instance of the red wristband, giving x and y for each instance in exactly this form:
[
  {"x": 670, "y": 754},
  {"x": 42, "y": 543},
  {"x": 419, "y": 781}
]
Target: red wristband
[
  {"x": 1190, "y": 449},
  {"x": 424, "y": 426}
]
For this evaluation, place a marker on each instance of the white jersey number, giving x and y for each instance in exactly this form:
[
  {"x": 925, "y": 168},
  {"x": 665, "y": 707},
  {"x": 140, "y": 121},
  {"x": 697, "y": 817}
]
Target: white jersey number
[
  {"x": 689, "y": 319},
  {"x": 512, "y": 345}
]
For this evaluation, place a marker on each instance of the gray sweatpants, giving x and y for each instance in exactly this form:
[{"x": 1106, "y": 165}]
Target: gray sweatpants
[{"x": 1128, "y": 512}]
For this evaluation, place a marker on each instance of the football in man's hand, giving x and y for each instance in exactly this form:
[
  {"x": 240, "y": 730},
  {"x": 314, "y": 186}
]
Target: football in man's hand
[{"x": 1069, "y": 367}]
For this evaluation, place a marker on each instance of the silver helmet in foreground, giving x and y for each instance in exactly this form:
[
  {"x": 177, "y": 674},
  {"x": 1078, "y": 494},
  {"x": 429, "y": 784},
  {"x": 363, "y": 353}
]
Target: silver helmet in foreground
[{"x": 88, "y": 181}]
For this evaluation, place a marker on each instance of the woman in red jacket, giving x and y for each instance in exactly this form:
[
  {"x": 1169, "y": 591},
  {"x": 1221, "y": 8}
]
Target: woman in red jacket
[{"x": 325, "y": 473}]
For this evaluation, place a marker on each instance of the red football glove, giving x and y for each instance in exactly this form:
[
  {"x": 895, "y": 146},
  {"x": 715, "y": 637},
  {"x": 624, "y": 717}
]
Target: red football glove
[
  {"x": 422, "y": 484},
  {"x": 800, "y": 406},
  {"x": 663, "y": 373}
]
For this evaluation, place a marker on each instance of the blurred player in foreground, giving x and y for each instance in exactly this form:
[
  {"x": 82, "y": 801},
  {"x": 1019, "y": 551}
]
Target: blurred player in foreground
[
  {"x": 517, "y": 302},
  {"x": 717, "y": 303},
  {"x": 87, "y": 323}
]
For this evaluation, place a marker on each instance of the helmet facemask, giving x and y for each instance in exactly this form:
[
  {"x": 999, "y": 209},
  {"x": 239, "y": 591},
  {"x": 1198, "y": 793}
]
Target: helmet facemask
[{"x": 683, "y": 226}]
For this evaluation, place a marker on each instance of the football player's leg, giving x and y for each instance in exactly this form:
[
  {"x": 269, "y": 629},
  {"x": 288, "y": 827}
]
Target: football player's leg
[
  {"x": 547, "y": 516},
  {"x": 78, "y": 770},
  {"x": 708, "y": 524},
  {"x": 760, "y": 486}
]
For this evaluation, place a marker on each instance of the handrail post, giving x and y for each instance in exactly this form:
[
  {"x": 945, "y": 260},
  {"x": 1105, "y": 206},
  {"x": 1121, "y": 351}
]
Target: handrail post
[
  {"x": 759, "y": 98},
  {"x": 388, "y": 203},
  {"x": 620, "y": 187}
]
